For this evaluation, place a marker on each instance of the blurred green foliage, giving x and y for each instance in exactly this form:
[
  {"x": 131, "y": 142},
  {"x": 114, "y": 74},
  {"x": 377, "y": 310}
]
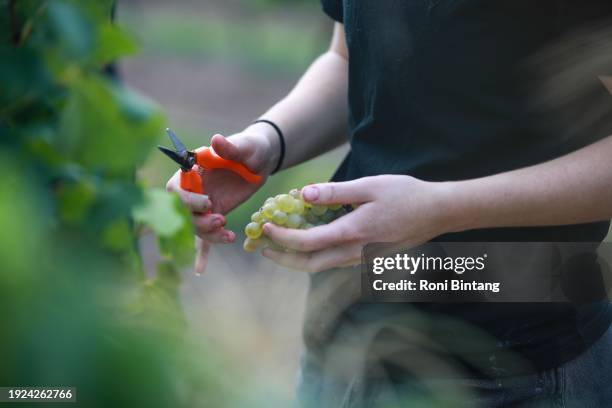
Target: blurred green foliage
[{"x": 76, "y": 306}]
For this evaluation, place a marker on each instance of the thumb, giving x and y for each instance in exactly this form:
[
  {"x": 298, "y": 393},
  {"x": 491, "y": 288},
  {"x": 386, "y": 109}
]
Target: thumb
[
  {"x": 348, "y": 192},
  {"x": 226, "y": 149}
]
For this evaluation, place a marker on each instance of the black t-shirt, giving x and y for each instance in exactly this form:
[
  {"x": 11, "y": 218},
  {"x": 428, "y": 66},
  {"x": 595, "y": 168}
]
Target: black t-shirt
[{"x": 456, "y": 89}]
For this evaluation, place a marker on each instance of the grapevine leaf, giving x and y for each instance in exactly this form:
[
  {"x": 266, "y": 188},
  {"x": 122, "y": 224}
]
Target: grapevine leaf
[
  {"x": 75, "y": 200},
  {"x": 159, "y": 212},
  {"x": 180, "y": 246},
  {"x": 74, "y": 33},
  {"x": 96, "y": 131},
  {"x": 113, "y": 42},
  {"x": 117, "y": 235}
]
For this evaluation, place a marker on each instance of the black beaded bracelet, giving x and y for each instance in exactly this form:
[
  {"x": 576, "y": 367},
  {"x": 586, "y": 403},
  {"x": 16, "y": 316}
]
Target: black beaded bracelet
[{"x": 281, "y": 139}]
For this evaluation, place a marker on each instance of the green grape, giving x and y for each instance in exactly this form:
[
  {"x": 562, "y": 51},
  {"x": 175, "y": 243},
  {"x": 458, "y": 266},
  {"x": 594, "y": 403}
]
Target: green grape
[
  {"x": 291, "y": 211},
  {"x": 294, "y": 221},
  {"x": 299, "y": 207},
  {"x": 250, "y": 245},
  {"x": 286, "y": 203},
  {"x": 319, "y": 209},
  {"x": 253, "y": 230},
  {"x": 279, "y": 217},
  {"x": 295, "y": 193},
  {"x": 268, "y": 210}
]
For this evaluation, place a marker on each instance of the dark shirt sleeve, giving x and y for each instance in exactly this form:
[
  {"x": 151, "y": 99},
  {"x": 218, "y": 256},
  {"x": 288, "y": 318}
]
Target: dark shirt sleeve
[{"x": 334, "y": 9}]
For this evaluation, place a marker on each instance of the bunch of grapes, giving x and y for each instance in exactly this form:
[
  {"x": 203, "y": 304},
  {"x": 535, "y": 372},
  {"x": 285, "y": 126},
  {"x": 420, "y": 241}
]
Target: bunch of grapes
[{"x": 290, "y": 211}]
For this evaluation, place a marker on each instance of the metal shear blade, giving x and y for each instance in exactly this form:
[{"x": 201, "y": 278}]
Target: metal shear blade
[{"x": 181, "y": 155}]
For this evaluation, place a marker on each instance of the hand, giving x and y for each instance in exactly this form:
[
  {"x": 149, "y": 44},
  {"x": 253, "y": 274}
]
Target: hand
[
  {"x": 224, "y": 189},
  {"x": 399, "y": 209}
]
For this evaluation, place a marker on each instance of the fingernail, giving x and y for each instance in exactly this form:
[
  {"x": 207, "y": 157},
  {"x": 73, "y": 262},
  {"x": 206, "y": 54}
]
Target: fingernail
[
  {"x": 266, "y": 227},
  {"x": 227, "y": 239},
  {"x": 217, "y": 223},
  {"x": 310, "y": 193}
]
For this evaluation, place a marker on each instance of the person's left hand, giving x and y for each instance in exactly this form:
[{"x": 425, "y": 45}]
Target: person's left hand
[{"x": 392, "y": 208}]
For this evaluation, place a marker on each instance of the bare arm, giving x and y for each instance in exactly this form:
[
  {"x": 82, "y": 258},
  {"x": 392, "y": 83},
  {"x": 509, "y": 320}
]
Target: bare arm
[
  {"x": 313, "y": 116},
  {"x": 576, "y": 188}
]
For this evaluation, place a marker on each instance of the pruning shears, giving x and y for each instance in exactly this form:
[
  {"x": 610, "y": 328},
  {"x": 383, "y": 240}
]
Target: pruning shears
[{"x": 203, "y": 158}]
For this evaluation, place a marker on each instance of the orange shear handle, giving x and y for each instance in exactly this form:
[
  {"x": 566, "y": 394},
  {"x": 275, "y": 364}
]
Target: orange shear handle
[
  {"x": 209, "y": 160},
  {"x": 192, "y": 181}
]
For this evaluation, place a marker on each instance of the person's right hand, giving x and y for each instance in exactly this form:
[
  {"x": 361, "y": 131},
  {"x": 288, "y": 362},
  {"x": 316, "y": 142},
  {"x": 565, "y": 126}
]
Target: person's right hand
[{"x": 255, "y": 148}]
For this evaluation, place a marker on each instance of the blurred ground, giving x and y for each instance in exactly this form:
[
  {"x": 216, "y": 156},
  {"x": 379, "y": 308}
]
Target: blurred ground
[{"x": 214, "y": 66}]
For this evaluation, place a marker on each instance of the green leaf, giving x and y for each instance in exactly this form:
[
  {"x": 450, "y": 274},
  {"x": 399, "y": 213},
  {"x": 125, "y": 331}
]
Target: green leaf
[
  {"x": 117, "y": 235},
  {"x": 23, "y": 75},
  {"x": 20, "y": 219},
  {"x": 112, "y": 43},
  {"x": 179, "y": 247},
  {"x": 73, "y": 31},
  {"x": 159, "y": 212},
  {"x": 171, "y": 222},
  {"x": 135, "y": 106},
  {"x": 75, "y": 200},
  {"x": 98, "y": 133}
]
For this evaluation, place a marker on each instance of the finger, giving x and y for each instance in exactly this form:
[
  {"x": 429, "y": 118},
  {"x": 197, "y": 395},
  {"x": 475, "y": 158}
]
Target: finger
[
  {"x": 195, "y": 202},
  {"x": 318, "y": 261},
  {"x": 210, "y": 228},
  {"x": 220, "y": 236},
  {"x": 347, "y": 192},
  {"x": 342, "y": 230},
  {"x": 198, "y": 203},
  {"x": 174, "y": 183},
  {"x": 226, "y": 149},
  {"x": 201, "y": 259},
  {"x": 206, "y": 223}
]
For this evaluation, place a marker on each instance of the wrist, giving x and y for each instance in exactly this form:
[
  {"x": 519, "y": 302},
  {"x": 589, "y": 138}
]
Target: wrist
[
  {"x": 268, "y": 145},
  {"x": 264, "y": 146},
  {"x": 457, "y": 206},
  {"x": 281, "y": 141}
]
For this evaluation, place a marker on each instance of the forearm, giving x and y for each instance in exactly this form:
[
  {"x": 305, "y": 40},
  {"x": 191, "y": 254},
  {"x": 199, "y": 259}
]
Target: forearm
[
  {"x": 576, "y": 188},
  {"x": 313, "y": 117}
]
